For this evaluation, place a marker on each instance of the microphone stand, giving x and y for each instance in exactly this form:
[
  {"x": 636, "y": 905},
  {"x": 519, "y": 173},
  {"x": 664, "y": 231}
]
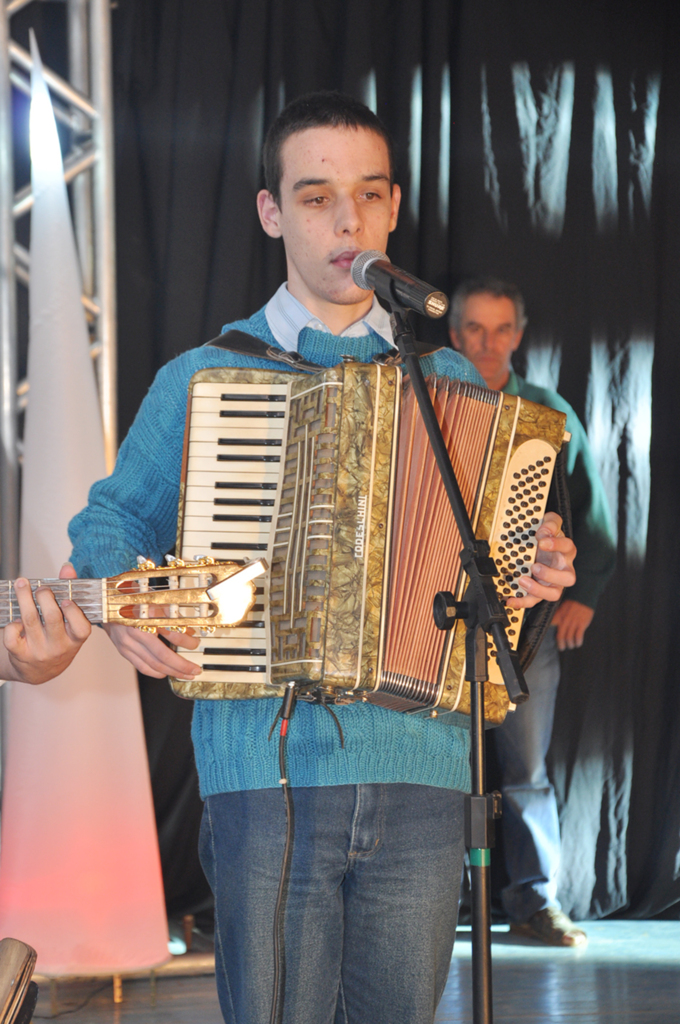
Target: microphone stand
[{"x": 482, "y": 613}]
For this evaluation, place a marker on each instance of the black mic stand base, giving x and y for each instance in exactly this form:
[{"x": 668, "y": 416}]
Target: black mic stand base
[{"x": 482, "y": 1005}]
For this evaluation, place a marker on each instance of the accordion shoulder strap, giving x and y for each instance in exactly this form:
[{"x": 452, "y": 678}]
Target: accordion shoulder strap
[{"x": 244, "y": 344}]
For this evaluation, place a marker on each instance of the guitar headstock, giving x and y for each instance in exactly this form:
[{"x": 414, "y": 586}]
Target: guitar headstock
[{"x": 202, "y": 594}]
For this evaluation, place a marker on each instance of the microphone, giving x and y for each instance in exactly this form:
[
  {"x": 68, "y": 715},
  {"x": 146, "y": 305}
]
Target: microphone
[{"x": 372, "y": 270}]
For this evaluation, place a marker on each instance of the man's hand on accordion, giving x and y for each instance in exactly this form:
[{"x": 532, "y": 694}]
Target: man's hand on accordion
[
  {"x": 553, "y": 569},
  {"x": 150, "y": 655}
]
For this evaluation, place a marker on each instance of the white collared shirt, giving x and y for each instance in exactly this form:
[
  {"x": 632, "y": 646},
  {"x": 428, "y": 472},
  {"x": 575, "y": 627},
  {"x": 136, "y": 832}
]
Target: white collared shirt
[{"x": 287, "y": 316}]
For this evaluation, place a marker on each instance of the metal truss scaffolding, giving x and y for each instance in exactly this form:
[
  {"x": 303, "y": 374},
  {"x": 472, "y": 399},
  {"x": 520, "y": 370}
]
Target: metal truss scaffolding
[{"x": 84, "y": 105}]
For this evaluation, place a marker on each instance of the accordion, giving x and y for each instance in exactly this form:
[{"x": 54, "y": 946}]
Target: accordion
[{"x": 331, "y": 479}]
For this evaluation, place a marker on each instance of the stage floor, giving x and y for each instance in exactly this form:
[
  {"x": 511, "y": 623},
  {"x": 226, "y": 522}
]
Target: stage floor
[{"x": 629, "y": 973}]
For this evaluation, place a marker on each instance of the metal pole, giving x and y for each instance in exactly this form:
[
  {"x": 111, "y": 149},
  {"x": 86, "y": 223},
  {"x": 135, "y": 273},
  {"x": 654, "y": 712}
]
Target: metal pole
[
  {"x": 79, "y": 74},
  {"x": 104, "y": 238},
  {"x": 482, "y": 999},
  {"x": 56, "y": 83},
  {"x": 9, "y": 463}
]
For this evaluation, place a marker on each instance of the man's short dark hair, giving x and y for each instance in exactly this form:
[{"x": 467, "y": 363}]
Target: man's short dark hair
[
  {"x": 317, "y": 110},
  {"x": 485, "y": 286}
]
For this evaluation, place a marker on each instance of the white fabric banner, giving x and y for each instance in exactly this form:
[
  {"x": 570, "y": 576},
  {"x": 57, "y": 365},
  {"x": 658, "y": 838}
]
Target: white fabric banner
[{"x": 80, "y": 875}]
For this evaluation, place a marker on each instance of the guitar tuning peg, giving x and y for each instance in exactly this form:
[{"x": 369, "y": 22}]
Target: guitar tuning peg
[
  {"x": 145, "y": 564},
  {"x": 174, "y": 563}
]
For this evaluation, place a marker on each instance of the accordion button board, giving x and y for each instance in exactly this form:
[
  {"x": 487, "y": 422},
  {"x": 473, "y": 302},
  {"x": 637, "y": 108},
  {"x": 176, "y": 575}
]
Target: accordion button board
[{"x": 314, "y": 473}]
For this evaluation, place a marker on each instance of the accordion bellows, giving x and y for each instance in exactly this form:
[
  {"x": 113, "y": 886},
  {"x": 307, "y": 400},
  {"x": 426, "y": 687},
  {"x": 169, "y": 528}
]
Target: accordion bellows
[{"x": 331, "y": 478}]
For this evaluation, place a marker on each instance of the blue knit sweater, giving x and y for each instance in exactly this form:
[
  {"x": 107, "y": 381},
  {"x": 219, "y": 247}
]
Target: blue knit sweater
[{"x": 134, "y": 511}]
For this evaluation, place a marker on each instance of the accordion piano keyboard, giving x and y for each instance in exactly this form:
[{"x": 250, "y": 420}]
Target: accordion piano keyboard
[{"x": 237, "y": 435}]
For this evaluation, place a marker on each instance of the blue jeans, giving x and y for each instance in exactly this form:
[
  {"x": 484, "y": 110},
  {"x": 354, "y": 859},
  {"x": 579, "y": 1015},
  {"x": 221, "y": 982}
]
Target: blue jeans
[
  {"x": 531, "y": 828},
  {"x": 372, "y": 903}
]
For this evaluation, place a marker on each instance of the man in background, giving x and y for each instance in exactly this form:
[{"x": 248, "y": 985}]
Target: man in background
[{"x": 486, "y": 324}]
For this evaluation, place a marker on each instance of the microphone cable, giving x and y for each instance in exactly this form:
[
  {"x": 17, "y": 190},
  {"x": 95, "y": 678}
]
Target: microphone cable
[{"x": 287, "y": 708}]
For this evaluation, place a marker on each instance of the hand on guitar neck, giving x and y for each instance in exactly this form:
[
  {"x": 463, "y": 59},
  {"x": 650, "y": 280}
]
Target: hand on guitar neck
[
  {"x": 34, "y": 651},
  {"x": 203, "y": 593}
]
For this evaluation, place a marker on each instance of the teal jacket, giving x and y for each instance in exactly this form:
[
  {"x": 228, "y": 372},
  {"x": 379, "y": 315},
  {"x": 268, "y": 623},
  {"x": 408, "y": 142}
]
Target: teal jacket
[
  {"x": 596, "y": 556},
  {"x": 134, "y": 511}
]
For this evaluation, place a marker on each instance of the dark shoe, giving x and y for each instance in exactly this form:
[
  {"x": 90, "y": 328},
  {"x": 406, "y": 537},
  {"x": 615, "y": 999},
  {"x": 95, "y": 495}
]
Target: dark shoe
[{"x": 552, "y": 927}]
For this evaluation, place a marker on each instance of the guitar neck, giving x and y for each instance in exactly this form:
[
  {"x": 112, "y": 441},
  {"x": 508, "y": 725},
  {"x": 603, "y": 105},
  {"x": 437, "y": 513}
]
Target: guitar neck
[
  {"x": 87, "y": 594},
  {"x": 203, "y": 594}
]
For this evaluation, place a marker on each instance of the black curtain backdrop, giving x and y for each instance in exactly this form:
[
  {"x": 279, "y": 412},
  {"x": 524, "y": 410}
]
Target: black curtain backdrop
[{"x": 537, "y": 142}]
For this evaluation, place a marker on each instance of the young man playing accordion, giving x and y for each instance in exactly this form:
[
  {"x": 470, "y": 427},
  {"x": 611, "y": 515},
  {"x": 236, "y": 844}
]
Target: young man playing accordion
[{"x": 372, "y": 902}]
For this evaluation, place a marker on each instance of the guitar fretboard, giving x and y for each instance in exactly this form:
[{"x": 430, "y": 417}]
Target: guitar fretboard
[{"x": 87, "y": 594}]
